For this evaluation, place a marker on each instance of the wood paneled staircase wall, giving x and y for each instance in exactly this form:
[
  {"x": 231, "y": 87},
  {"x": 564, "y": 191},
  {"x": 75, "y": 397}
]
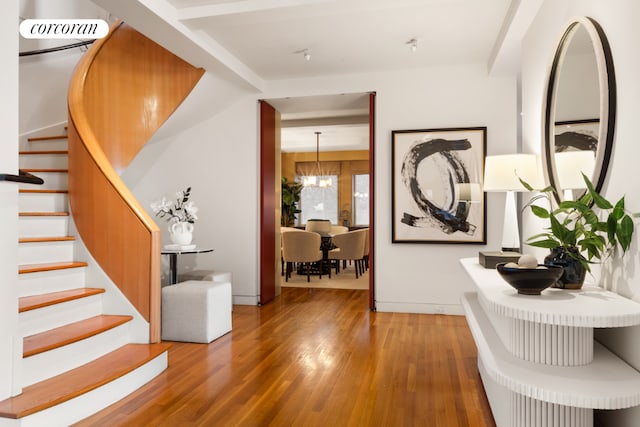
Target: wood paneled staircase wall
[{"x": 124, "y": 88}]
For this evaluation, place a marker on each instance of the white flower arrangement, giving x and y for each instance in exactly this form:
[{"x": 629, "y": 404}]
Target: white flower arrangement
[{"x": 182, "y": 210}]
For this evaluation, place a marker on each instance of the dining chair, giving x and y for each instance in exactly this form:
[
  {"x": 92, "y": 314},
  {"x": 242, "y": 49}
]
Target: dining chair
[
  {"x": 350, "y": 247},
  {"x": 320, "y": 226},
  {"x": 283, "y": 230},
  {"x": 365, "y": 257},
  {"x": 301, "y": 247},
  {"x": 338, "y": 229}
]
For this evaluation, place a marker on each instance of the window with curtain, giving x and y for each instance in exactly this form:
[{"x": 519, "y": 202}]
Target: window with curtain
[
  {"x": 318, "y": 202},
  {"x": 319, "y": 196},
  {"x": 361, "y": 199}
]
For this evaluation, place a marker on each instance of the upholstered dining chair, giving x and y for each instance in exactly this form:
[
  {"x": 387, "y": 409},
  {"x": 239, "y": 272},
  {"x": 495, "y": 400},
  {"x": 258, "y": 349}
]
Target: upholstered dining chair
[
  {"x": 283, "y": 230},
  {"x": 365, "y": 257},
  {"x": 338, "y": 229},
  {"x": 320, "y": 226},
  {"x": 301, "y": 247},
  {"x": 350, "y": 246}
]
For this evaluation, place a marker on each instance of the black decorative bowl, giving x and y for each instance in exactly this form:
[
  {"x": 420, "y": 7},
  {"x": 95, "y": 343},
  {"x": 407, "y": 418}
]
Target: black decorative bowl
[{"x": 530, "y": 281}]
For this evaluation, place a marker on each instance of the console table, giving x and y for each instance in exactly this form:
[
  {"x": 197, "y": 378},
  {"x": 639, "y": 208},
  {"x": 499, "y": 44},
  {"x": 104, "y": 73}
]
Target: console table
[{"x": 537, "y": 358}]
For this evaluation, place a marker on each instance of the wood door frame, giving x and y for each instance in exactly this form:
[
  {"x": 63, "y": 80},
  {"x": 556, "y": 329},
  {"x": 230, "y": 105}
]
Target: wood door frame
[
  {"x": 268, "y": 174},
  {"x": 372, "y": 144}
]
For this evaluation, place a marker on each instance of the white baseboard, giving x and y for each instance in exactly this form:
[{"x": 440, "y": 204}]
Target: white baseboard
[
  {"x": 402, "y": 307},
  {"x": 245, "y": 300}
]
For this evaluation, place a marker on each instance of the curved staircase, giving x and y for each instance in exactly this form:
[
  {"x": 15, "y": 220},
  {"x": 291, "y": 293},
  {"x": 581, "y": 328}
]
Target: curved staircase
[{"x": 77, "y": 358}]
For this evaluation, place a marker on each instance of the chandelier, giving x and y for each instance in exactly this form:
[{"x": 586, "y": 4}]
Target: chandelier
[{"x": 319, "y": 179}]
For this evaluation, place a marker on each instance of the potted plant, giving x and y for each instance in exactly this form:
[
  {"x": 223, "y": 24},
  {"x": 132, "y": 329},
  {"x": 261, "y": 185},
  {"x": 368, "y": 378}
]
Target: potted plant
[
  {"x": 581, "y": 232},
  {"x": 290, "y": 199},
  {"x": 181, "y": 215}
]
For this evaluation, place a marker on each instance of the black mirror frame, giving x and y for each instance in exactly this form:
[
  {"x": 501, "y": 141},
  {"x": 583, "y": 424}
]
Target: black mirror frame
[{"x": 607, "y": 83}]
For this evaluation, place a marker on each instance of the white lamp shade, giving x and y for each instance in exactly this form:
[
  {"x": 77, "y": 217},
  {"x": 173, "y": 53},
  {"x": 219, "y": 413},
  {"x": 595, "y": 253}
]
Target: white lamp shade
[
  {"x": 501, "y": 172},
  {"x": 570, "y": 165}
]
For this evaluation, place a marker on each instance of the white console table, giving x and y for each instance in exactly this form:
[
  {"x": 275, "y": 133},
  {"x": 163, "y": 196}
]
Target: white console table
[{"x": 536, "y": 355}]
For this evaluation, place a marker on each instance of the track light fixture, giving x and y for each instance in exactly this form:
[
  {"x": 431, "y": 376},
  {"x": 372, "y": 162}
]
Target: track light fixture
[
  {"x": 413, "y": 44},
  {"x": 306, "y": 54}
]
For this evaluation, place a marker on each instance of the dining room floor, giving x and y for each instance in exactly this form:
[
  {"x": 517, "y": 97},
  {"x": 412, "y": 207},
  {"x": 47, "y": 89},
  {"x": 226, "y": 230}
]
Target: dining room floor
[{"x": 346, "y": 279}]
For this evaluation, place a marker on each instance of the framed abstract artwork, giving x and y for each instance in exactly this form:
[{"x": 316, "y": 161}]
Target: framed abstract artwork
[
  {"x": 437, "y": 194},
  {"x": 577, "y": 135}
]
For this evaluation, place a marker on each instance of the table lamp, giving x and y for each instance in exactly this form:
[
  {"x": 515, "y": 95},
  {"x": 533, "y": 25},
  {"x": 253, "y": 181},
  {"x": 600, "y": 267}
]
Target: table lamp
[
  {"x": 501, "y": 174},
  {"x": 570, "y": 165}
]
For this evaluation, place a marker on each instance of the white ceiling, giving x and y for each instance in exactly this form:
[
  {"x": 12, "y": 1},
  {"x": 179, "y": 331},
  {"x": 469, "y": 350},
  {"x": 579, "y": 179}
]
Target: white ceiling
[
  {"x": 343, "y": 121},
  {"x": 346, "y": 36},
  {"x": 256, "y": 41}
]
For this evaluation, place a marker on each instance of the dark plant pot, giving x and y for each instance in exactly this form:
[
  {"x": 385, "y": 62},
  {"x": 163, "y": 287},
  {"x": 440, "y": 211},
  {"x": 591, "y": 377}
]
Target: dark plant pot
[{"x": 574, "y": 272}]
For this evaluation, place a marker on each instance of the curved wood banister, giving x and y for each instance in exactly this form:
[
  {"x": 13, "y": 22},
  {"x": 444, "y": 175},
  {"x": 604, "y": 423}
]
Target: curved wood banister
[{"x": 121, "y": 92}]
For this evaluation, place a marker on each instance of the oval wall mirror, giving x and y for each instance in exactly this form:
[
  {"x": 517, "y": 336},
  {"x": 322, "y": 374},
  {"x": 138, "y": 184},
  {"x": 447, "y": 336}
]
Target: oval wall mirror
[{"x": 579, "y": 117}]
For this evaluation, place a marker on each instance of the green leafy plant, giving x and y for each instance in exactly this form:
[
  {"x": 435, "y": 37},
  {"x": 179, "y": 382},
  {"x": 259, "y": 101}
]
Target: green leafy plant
[
  {"x": 576, "y": 224},
  {"x": 290, "y": 199}
]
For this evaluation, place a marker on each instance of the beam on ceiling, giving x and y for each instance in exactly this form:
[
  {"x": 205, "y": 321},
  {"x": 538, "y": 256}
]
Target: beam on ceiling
[
  {"x": 325, "y": 121},
  {"x": 241, "y": 6},
  {"x": 505, "y": 55},
  {"x": 156, "y": 20}
]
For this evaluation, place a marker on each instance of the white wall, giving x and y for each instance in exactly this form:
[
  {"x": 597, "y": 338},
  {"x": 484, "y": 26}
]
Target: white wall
[
  {"x": 45, "y": 77},
  {"x": 10, "y": 339},
  {"x": 219, "y": 159},
  {"x": 43, "y": 96},
  {"x": 619, "y": 21}
]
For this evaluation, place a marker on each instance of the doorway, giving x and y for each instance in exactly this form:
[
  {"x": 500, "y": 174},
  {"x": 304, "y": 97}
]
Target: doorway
[{"x": 291, "y": 125}]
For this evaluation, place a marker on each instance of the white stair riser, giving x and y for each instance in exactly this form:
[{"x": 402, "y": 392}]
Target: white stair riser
[
  {"x": 42, "y": 161},
  {"x": 44, "y": 282},
  {"x": 57, "y": 361},
  {"x": 43, "y": 202},
  {"x": 52, "y": 181},
  {"x": 43, "y": 319},
  {"x": 53, "y": 144},
  {"x": 87, "y": 404},
  {"x": 38, "y": 226},
  {"x": 43, "y": 252}
]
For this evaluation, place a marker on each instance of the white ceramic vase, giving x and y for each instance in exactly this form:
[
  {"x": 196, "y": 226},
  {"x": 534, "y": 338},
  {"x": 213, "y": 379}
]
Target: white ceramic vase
[{"x": 181, "y": 233}]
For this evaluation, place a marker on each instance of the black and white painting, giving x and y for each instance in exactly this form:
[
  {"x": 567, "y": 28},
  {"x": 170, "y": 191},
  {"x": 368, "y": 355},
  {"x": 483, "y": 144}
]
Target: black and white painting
[
  {"x": 577, "y": 135},
  {"x": 437, "y": 185}
]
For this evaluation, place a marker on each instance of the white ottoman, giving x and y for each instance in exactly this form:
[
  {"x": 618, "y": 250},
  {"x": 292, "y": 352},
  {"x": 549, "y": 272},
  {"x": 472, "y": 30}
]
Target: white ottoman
[
  {"x": 196, "y": 311},
  {"x": 210, "y": 275}
]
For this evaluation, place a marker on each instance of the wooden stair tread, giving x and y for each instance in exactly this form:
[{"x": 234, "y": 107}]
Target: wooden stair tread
[
  {"x": 35, "y": 152},
  {"x": 64, "y": 387},
  {"x": 47, "y": 138},
  {"x": 43, "y": 214},
  {"x": 33, "y": 302},
  {"x": 46, "y": 239},
  {"x": 33, "y": 268},
  {"x": 36, "y": 170},
  {"x": 22, "y": 190},
  {"x": 71, "y": 333}
]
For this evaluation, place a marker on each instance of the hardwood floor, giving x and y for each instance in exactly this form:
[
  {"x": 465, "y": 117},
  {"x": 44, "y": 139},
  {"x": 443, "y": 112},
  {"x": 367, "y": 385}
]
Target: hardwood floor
[{"x": 316, "y": 357}]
